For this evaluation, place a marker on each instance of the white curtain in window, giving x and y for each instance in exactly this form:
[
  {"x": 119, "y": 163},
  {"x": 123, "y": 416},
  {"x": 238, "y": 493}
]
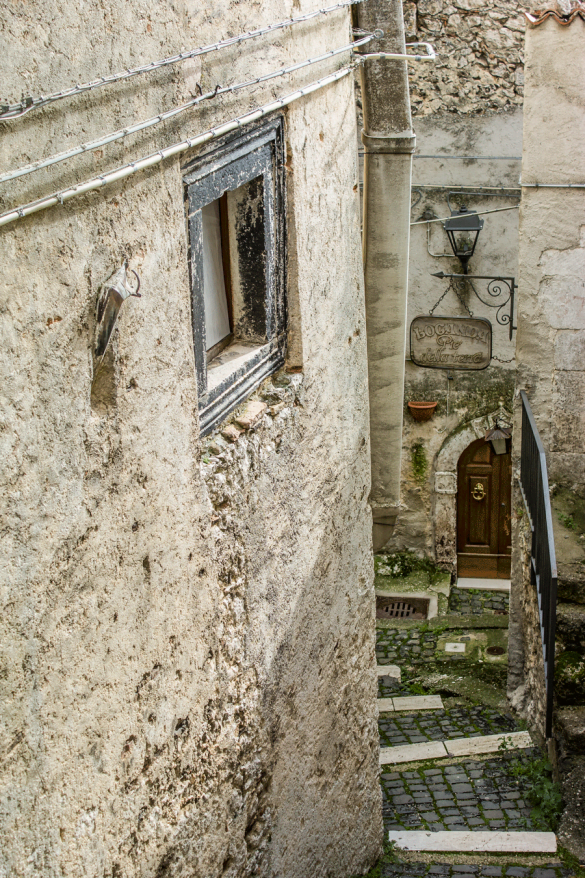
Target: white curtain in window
[{"x": 217, "y": 323}]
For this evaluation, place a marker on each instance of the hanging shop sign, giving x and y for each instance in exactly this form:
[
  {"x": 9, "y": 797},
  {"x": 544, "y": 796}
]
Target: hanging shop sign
[{"x": 458, "y": 343}]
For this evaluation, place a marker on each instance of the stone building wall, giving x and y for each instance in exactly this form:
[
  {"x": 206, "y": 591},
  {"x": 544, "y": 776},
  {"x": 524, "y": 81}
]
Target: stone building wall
[
  {"x": 550, "y": 370},
  {"x": 187, "y": 669},
  {"x": 480, "y": 65},
  {"x": 467, "y": 109}
]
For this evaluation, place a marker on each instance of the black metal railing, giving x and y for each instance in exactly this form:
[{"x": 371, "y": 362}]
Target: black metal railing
[{"x": 543, "y": 562}]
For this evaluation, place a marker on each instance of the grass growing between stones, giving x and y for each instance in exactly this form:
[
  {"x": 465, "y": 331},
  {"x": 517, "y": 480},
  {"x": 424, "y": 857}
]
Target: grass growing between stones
[
  {"x": 540, "y": 790},
  {"x": 571, "y": 862}
]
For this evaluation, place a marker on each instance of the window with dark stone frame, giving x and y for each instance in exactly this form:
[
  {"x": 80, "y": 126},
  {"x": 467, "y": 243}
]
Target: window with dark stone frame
[{"x": 235, "y": 196}]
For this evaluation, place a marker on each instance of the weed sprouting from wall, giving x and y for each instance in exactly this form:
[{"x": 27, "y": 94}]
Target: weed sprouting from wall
[{"x": 418, "y": 459}]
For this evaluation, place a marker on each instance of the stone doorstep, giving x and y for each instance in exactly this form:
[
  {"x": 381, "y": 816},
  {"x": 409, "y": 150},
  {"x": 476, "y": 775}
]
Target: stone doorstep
[
  {"x": 477, "y": 842},
  {"x": 484, "y": 584},
  {"x": 455, "y": 747}
]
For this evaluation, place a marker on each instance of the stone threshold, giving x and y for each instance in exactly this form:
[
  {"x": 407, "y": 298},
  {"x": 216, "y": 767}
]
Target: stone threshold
[
  {"x": 466, "y": 582},
  {"x": 410, "y": 702},
  {"x": 454, "y": 747},
  {"x": 477, "y": 842}
]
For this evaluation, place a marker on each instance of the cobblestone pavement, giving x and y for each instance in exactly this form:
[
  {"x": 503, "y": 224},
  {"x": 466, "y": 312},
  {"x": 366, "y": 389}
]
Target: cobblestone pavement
[
  {"x": 404, "y": 645},
  {"x": 468, "y": 602},
  {"x": 473, "y": 795},
  {"x": 482, "y": 794},
  {"x": 424, "y": 870},
  {"x": 441, "y": 725}
]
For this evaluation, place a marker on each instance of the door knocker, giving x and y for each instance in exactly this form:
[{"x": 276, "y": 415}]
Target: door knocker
[{"x": 478, "y": 492}]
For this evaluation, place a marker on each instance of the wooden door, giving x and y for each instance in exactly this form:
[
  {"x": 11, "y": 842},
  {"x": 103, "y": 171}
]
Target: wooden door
[{"x": 484, "y": 488}]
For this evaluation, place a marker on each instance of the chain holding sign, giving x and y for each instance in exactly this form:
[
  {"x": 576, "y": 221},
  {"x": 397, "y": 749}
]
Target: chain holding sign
[{"x": 457, "y": 343}]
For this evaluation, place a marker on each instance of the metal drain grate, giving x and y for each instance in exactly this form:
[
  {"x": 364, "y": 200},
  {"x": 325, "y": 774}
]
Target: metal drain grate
[
  {"x": 495, "y": 650},
  {"x": 401, "y": 608}
]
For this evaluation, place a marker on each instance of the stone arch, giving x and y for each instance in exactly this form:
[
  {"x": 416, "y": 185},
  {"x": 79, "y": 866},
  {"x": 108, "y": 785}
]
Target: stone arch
[{"x": 444, "y": 497}]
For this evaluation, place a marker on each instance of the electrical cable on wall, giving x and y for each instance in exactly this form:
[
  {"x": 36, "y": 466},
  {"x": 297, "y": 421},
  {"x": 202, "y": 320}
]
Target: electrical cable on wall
[
  {"x": 490, "y": 191},
  {"x": 21, "y": 108},
  {"x": 478, "y": 212},
  {"x": 160, "y": 155},
  {"x": 169, "y": 114},
  {"x": 175, "y": 149}
]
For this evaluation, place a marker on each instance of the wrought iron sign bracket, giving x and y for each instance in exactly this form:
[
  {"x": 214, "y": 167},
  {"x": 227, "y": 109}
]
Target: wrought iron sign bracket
[{"x": 501, "y": 289}]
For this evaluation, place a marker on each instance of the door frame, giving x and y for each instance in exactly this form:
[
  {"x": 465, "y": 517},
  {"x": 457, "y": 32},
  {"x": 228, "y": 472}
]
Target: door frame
[
  {"x": 444, "y": 496},
  {"x": 476, "y": 562}
]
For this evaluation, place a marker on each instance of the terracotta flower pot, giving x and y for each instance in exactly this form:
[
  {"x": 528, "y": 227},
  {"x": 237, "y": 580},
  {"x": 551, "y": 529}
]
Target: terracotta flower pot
[{"x": 422, "y": 411}]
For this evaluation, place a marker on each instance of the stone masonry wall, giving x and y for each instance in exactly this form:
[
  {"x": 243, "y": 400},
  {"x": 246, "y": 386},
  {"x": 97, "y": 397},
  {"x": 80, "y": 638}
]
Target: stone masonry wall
[
  {"x": 526, "y": 684},
  {"x": 187, "y": 629},
  {"x": 480, "y": 63}
]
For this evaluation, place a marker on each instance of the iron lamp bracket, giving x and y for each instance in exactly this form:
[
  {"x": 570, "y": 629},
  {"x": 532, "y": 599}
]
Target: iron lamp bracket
[{"x": 500, "y": 290}]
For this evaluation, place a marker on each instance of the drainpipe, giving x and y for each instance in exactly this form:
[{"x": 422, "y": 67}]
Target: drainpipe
[{"x": 389, "y": 143}]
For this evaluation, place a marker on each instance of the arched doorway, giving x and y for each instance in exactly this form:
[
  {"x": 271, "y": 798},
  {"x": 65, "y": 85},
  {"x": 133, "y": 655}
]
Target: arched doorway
[{"x": 484, "y": 488}]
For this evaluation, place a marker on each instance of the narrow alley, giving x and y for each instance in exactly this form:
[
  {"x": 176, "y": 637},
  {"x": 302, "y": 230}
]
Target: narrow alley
[
  {"x": 455, "y": 760},
  {"x": 292, "y": 321}
]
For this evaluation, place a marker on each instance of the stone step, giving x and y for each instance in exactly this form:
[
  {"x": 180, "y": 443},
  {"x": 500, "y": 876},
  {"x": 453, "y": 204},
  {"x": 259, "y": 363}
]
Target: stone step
[
  {"x": 410, "y": 702},
  {"x": 454, "y": 747},
  {"x": 392, "y": 671},
  {"x": 477, "y": 842}
]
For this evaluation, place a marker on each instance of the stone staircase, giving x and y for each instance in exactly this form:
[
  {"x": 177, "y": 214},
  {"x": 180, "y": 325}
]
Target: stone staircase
[
  {"x": 454, "y": 799},
  {"x": 466, "y": 791}
]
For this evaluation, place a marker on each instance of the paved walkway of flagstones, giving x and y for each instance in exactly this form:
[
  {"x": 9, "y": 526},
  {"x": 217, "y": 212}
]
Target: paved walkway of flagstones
[
  {"x": 439, "y": 725},
  {"x": 475, "y": 795},
  {"x": 475, "y": 603},
  {"x": 461, "y": 794},
  {"x": 424, "y": 870},
  {"x": 405, "y": 645}
]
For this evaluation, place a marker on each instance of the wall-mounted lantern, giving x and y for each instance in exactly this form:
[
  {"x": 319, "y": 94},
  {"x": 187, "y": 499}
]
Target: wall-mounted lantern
[
  {"x": 498, "y": 436},
  {"x": 463, "y": 230}
]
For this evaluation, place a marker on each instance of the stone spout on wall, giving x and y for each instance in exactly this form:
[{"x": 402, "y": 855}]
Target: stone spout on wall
[{"x": 389, "y": 143}]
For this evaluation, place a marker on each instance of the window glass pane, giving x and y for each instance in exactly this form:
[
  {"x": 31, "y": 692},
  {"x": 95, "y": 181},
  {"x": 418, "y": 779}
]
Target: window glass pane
[{"x": 217, "y": 322}]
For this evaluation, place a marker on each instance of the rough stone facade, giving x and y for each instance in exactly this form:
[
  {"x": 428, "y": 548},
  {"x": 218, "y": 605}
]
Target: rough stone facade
[
  {"x": 526, "y": 677},
  {"x": 480, "y": 65},
  {"x": 187, "y": 669},
  {"x": 551, "y": 372}
]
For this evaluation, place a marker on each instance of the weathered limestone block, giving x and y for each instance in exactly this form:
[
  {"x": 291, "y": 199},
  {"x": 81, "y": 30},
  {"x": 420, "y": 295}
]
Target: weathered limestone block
[
  {"x": 570, "y": 831},
  {"x": 568, "y": 427},
  {"x": 570, "y": 350},
  {"x": 571, "y": 626}
]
